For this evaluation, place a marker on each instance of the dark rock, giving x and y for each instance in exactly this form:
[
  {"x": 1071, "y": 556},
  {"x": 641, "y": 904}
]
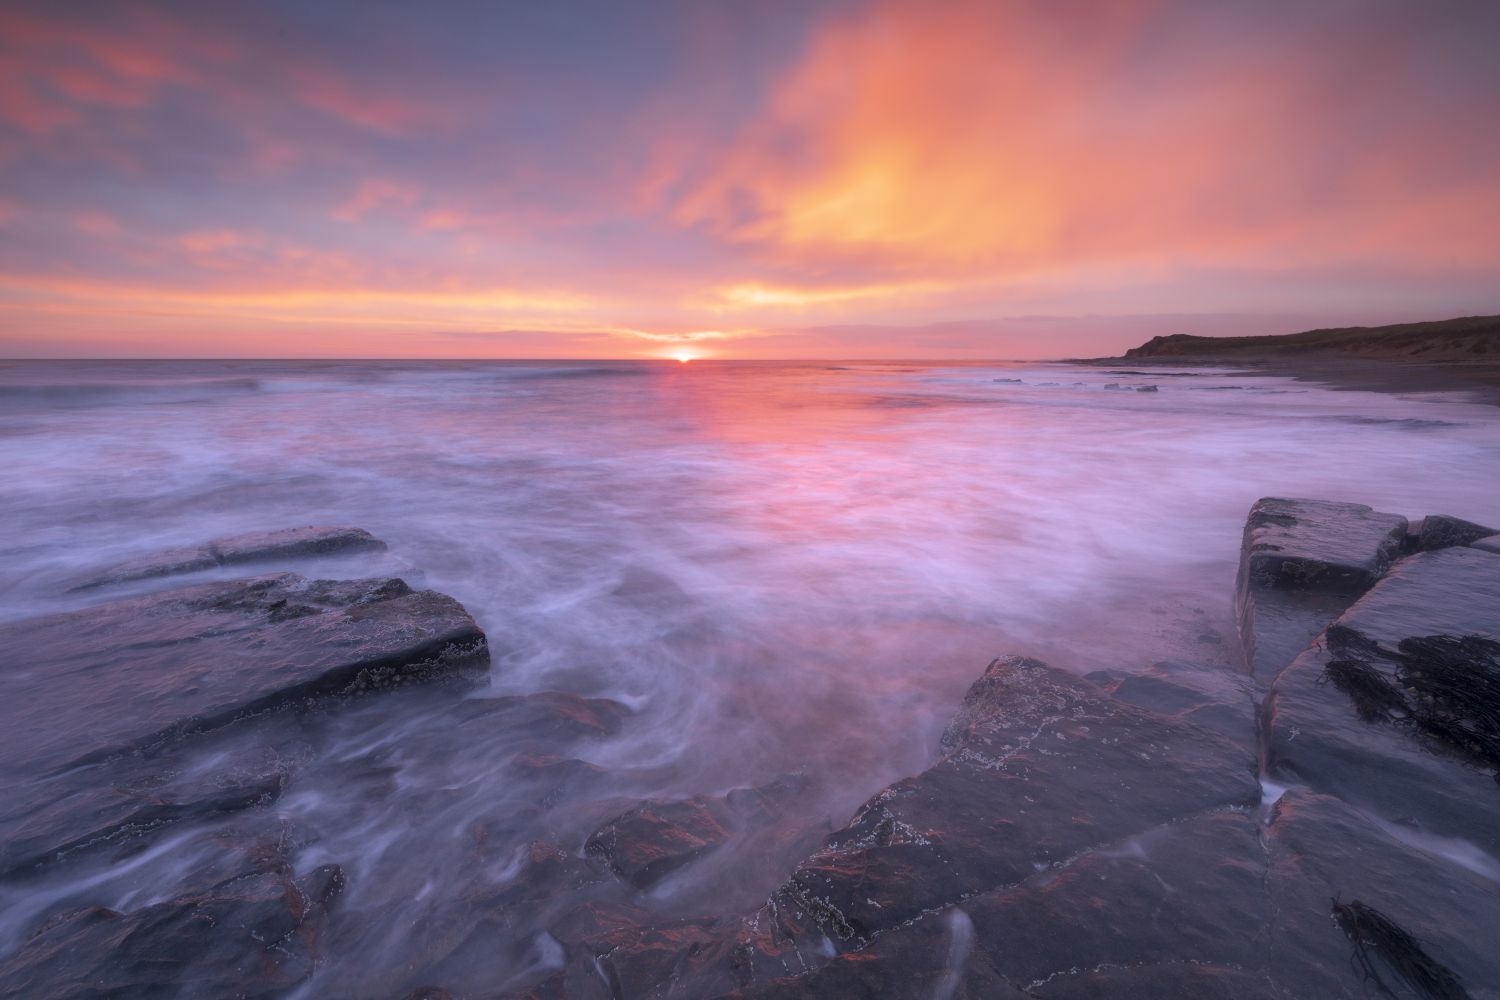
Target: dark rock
[
  {"x": 934, "y": 956},
  {"x": 1213, "y": 699},
  {"x": 1317, "y": 735},
  {"x": 259, "y": 546},
  {"x": 1039, "y": 766},
  {"x": 1214, "y": 906},
  {"x": 132, "y": 673},
  {"x": 1321, "y": 849},
  {"x": 1184, "y": 892},
  {"x": 91, "y": 719},
  {"x": 1441, "y": 531},
  {"x": 1159, "y": 980},
  {"x": 46, "y": 828},
  {"x": 656, "y": 838},
  {"x": 1301, "y": 563},
  {"x": 255, "y": 934}
]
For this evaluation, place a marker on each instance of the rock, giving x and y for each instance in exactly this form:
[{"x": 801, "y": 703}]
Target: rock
[
  {"x": 1490, "y": 544},
  {"x": 1213, "y": 699},
  {"x": 1321, "y": 849},
  {"x": 1039, "y": 767},
  {"x": 934, "y": 956},
  {"x": 256, "y": 933},
  {"x": 1301, "y": 563},
  {"x": 126, "y": 675},
  {"x": 1441, "y": 531},
  {"x": 40, "y": 826},
  {"x": 1164, "y": 979},
  {"x": 656, "y": 838},
  {"x": 1212, "y": 906},
  {"x": 1316, "y": 734},
  {"x": 90, "y": 721},
  {"x": 234, "y": 550}
]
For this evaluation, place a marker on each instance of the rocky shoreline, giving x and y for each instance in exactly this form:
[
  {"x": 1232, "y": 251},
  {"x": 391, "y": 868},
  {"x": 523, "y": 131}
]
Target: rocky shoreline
[{"x": 1324, "y": 822}]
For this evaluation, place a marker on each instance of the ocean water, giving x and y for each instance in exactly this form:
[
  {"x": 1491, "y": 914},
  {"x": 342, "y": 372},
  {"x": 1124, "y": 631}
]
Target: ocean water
[{"x": 776, "y": 568}]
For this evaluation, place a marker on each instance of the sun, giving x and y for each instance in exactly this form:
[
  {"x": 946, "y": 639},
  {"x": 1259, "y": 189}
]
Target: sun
[{"x": 683, "y": 357}]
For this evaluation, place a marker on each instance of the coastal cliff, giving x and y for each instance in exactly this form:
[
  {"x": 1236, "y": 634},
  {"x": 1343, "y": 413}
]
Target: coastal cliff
[{"x": 1467, "y": 339}]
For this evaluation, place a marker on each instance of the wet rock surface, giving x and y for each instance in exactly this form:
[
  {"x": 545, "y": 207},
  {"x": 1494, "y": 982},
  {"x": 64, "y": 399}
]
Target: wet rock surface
[
  {"x": 167, "y": 724},
  {"x": 655, "y": 839},
  {"x": 122, "y": 676},
  {"x": 1038, "y": 767},
  {"x": 1108, "y": 836},
  {"x": 1441, "y": 531},
  {"x": 253, "y": 931},
  {"x": 1301, "y": 563},
  {"x": 1177, "y": 829},
  {"x": 237, "y": 550},
  {"x": 1318, "y": 735}
]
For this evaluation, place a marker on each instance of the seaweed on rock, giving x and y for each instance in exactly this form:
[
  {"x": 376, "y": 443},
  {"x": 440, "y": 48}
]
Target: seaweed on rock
[
  {"x": 1455, "y": 684},
  {"x": 1444, "y": 687},
  {"x": 1375, "y": 698},
  {"x": 1376, "y": 937}
]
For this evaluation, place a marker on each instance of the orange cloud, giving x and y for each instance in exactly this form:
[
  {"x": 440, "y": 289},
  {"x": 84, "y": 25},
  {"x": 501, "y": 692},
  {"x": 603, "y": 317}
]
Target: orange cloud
[
  {"x": 754, "y": 295},
  {"x": 1014, "y": 140}
]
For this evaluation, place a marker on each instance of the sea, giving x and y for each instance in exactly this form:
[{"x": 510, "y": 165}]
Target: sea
[{"x": 777, "y": 569}]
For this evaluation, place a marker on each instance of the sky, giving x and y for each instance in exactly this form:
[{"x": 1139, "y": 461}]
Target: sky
[{"x": 737, "y": 179}]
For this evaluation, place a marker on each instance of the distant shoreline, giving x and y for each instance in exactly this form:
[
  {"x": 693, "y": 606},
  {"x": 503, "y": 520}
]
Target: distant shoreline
[{"x": 1459, "y": 355}]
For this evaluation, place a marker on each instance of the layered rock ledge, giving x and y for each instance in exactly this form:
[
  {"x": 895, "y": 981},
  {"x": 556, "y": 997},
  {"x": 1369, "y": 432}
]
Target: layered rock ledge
[
  {"x": 127, "y": 720},
  {"x": 1177, "y": 831}
]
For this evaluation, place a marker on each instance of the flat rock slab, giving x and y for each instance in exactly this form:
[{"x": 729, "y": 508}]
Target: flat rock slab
[
  {"x": 1316, "y": 734},
  {"x": 1212, "y": 698},
  {"x": 236, "y": 550},
  {"x": 1301, "y": 563},
  {"x": 82, "y": 686},
  {"x": 1039, "y": 767},
  {"x": 1320, "y": 849},
  {"x": 1220, "y": 905}
]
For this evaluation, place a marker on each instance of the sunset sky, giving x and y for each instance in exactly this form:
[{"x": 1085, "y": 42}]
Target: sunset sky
[{"x": 738, "y": 179}]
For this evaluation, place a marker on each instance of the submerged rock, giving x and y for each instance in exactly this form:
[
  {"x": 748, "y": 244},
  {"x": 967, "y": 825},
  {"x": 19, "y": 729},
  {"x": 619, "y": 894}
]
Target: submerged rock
[
  {"x": 656, "y": 838},
  {"x": 254, "y": 933},
  {"x": 235, "y": 550}
]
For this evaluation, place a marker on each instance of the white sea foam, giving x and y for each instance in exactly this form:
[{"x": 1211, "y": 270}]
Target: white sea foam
[{"x": 776, "y": 568}]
